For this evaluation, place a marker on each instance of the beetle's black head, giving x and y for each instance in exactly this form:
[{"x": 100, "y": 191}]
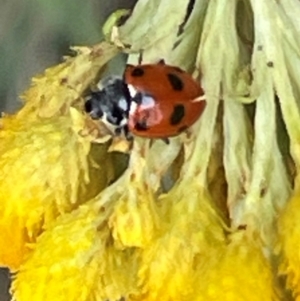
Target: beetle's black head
[{"x": 111, "y": 103}]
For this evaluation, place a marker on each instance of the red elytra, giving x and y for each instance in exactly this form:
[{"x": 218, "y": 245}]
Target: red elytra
[{"x": 168, "y": 105}]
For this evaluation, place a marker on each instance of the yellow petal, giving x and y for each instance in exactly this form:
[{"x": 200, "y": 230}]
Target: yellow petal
[
  {"x": 75, "y": 259},
  {"x": 46, "y": 171},
  {"x": 289, "y": 239},
  {"x": 238, "y": 271}
]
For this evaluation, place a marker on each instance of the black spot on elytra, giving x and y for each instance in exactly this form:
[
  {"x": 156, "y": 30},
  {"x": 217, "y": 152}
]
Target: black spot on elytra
[
  {"x": 177, "y": 115},
  {"x": 175, "y": 82},
  {"x": 136, "y": 72},
  {"x": 182, "y": 128}
]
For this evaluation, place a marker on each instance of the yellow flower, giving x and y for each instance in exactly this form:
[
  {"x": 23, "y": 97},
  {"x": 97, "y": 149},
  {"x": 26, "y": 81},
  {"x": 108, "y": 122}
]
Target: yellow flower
[
  {"x": 46, "y": 164},
  {"x": 196, "y": 219}
]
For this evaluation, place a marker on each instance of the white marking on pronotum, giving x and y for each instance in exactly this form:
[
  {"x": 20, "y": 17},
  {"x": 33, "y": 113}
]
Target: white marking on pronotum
[{"x": 132, "y": 90}]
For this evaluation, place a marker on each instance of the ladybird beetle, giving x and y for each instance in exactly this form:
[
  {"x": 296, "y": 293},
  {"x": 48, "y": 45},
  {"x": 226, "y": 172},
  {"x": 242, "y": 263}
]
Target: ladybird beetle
[{"x": 151, "y": 100}]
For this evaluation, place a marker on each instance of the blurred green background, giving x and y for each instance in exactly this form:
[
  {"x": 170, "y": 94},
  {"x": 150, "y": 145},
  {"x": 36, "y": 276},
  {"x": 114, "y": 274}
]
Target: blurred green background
[{"x": 36, "y": 34}]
